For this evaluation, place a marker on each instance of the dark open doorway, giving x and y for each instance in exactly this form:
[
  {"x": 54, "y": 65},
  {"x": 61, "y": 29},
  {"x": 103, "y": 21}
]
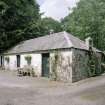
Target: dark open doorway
[
  {"x": 2, "y": 61},
  {"x": 18, "y": 60},
  {"x": 45, "y": 65}
]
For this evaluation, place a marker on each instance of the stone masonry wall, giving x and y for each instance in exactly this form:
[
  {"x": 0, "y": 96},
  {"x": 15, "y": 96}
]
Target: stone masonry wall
[
  {"x": 61, "y": 65},
  {"x": 80, "y": 65}
]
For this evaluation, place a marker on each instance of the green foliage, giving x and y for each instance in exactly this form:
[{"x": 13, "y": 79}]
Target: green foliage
[
  {"x": 17, "y": 20},
  {"x": 7, "y": 59},
  {"x": 55, "y": 62},
  {"x": 87, "y": 19},
  {"x": 28, "y": 58},
  {"x": 94, "y": 64},
  {"x": 51, "y": 24}
]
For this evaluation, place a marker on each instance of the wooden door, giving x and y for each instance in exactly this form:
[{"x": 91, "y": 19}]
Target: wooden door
[{"x": 45, "y": 65}]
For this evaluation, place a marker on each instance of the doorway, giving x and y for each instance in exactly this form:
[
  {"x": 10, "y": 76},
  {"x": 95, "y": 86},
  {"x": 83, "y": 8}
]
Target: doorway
[
  {"x": 45, "y": 65},
  {"x": 18, "y": 60},
  {"x": 2, "y": 61}
]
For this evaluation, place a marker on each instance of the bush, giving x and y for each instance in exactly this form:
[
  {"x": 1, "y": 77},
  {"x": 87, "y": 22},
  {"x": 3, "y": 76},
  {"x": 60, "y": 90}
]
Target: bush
[
  {"x": 28, "y": 59},
  {"x": 7, "y": 59}
]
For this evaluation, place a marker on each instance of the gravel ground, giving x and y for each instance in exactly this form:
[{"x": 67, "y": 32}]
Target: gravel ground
[{"x": 16, "y": 90}]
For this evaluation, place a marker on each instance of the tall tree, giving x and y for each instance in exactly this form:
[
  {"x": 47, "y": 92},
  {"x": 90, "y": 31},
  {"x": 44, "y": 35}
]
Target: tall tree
[
  {"x": 18, "y": 19},
  {"x": 51, "y": 24},
  {"x": 88, "y": 19}
]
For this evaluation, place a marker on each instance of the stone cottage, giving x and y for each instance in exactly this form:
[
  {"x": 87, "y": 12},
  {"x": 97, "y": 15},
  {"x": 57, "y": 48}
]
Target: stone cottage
[{"x": 60, "y": 56}]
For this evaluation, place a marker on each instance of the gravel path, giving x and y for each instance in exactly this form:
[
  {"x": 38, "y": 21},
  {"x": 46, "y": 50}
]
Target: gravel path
[{"x": 41, "y": 91}]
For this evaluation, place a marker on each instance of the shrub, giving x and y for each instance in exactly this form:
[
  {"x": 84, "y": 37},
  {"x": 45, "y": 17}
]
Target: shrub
[
  {"x": 7, "y": 59},
  {"x": 28, "y": 58}
]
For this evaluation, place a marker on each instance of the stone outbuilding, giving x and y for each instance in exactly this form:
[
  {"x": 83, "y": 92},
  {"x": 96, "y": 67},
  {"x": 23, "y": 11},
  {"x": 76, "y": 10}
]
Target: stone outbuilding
[{"x": 60, "y": 56}]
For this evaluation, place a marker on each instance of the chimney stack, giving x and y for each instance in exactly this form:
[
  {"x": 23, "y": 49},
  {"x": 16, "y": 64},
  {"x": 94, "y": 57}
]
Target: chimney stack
[{"x": 89, "y": 42}]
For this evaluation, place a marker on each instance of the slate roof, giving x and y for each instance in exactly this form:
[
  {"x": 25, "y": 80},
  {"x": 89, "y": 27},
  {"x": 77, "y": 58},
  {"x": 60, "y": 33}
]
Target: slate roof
[{"x": 49, "y": 42}]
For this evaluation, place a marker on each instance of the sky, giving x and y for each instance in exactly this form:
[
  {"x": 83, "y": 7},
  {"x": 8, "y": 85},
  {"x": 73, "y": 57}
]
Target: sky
[{"x": 56, "y": 9}]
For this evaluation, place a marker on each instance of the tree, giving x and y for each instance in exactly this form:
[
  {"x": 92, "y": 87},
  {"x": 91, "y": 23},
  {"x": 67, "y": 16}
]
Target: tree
[
  {"x": 18, "y": 20},
  {"x": 88, "y": 19},
  {"x": 51, "y": 24}
]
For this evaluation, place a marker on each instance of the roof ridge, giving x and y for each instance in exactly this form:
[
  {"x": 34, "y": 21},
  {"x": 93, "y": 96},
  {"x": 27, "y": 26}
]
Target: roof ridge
[
  {"x": 45, "y": 36},
  {"x": 76, "y": 37},
  {"x": 67, "y": 39}
]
